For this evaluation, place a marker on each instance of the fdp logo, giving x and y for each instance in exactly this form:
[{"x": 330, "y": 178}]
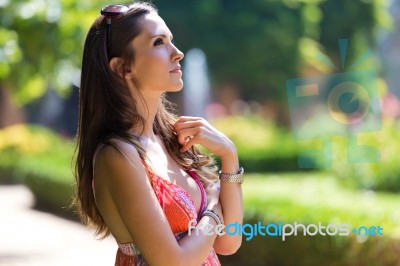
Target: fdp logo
[{"x": 339, "y": 104}]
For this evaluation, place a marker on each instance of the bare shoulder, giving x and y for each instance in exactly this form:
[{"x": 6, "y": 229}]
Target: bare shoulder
[
  {"x": 118, "y": 165},
  {"x": 111, "y": 153}
]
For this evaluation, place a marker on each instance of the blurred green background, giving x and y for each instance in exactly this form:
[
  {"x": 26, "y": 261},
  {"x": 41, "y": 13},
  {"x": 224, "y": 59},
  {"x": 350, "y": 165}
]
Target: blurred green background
[{"x": 252, "y": 48}]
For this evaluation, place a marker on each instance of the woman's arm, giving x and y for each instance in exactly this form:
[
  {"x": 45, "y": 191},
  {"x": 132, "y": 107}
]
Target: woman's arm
[
  {"x": 122, "y": 183},
  {"x": 232, "y": 205},
  {"x": 201, "y": 132}
]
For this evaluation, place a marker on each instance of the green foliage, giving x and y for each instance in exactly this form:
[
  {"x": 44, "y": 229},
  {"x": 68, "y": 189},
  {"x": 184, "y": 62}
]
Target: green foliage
[
  {"x": 262, "y": 146},
  {"x": 41, "y": 44},
  {"x": 354, "y": 20},
  {"x": 311, "y": 198},
  {"x": 244, "y": 41},
  {"x": 318, "y": 197},
  {"x": 258, "y": 45},
  {"x": 317, "y": 250},
  {"x": 383, "y": 174},
  {"x": 39, "y": 158},
  {"x": 255, "y": 44}
]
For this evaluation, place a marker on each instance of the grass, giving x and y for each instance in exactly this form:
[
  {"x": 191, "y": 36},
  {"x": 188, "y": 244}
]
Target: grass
[{"x": 318, "y": 197}]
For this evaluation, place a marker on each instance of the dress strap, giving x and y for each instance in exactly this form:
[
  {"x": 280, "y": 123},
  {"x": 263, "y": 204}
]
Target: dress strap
[{"x": 196, "y": 178}]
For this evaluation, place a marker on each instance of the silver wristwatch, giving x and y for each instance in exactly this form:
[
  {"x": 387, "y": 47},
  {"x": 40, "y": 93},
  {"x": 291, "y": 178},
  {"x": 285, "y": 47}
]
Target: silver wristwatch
[{"x": 232, "y": 178}]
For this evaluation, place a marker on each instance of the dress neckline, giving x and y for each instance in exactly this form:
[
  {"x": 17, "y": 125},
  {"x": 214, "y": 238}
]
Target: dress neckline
[{"x": 193, "y": 175}]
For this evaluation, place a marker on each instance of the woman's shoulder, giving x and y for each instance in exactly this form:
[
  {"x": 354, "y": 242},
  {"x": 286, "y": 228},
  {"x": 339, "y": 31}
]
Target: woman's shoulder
[{"x": 117, "y": 151}]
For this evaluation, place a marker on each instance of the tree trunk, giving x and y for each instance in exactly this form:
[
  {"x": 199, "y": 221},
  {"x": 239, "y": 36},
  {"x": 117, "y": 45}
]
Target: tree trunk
[{"x": 10, "y": 113}]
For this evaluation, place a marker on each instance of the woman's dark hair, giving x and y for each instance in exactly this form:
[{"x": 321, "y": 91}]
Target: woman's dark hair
[{"x": 107, "y": 110}]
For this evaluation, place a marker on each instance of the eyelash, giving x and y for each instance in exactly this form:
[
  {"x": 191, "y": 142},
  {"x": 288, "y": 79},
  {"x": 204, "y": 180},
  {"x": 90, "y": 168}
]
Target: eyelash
[
  {"x": 157, "y": 42},
  {"x": 160, "y": 41}
]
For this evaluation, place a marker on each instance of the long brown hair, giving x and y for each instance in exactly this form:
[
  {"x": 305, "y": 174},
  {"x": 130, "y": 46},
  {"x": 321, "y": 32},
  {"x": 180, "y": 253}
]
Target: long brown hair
[{"x": 107, "y": 111}]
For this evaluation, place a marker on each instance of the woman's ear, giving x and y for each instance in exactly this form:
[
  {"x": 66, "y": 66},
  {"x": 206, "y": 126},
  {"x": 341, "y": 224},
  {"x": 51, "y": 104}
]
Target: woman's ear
[{"x": 118, "y": 66}]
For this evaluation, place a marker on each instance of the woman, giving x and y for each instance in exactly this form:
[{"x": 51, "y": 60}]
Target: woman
[{"x": 139, "y": 175}]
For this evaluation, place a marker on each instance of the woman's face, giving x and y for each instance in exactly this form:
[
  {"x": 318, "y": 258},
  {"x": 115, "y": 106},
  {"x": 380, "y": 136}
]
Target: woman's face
[{"x": 156, "y": 66}]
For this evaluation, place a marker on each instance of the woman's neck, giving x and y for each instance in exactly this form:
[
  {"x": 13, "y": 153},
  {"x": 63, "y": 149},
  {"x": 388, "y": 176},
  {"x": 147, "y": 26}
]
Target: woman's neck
[{"x": 147, "y": 107}]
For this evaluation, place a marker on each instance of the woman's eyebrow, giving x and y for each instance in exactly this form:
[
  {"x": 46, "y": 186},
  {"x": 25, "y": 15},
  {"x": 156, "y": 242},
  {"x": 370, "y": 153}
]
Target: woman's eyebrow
[{"x": 162, "y": 35}]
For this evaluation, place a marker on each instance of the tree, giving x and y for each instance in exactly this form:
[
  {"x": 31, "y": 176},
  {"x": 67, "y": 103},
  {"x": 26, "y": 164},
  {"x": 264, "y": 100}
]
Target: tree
[
  {"x": 41, "y": 44},
  {"x": 259, "y": 44}
]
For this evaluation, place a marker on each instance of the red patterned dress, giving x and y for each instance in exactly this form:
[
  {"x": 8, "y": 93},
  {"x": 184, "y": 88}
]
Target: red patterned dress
[{"x": 179, "y": 208}]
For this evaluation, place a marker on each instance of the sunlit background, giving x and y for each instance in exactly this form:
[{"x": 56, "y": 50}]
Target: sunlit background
[{"x": 307, "y": 89}]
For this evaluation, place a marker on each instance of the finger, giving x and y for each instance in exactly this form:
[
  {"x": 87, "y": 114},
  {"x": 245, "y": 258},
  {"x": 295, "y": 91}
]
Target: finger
[
  {"x": 184, "y": 119},
  {"x": 188, "y": 118},
  {"x": 185, "y": 133},
  {"x": 202, "y": 135},
  {"x": 188, "y": 138},
  {"x": 178, "y": 126},
  {"x": 189, "y": 144}
]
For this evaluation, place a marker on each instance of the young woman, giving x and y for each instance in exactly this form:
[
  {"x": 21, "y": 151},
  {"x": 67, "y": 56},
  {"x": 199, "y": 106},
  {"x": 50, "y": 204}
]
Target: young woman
[{"x": 139, "y": 174}]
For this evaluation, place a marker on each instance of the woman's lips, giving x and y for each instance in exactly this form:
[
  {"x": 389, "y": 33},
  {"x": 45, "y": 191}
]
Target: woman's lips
[{"x": 177, "y": 69}]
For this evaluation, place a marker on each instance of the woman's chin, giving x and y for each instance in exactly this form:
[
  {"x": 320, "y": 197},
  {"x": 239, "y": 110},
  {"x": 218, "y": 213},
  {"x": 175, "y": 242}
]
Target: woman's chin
[{"x": 177, "y": 87}]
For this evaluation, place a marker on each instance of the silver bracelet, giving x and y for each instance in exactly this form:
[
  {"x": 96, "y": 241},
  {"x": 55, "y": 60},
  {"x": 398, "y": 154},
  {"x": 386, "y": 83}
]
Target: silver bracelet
[
  {"x": 213, "y": 215},
  {"x": 232, "y": 178}
]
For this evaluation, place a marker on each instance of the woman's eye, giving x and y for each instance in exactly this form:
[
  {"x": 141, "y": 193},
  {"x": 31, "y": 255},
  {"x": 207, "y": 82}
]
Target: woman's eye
[{"x": 159, "y": 41}]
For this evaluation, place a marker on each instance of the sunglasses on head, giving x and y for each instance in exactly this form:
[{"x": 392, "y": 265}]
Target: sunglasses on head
[{"x": 109, "y": 12}]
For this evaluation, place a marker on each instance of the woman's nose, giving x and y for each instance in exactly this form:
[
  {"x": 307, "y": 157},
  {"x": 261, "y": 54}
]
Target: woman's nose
[{"x": 177, "y": 54}]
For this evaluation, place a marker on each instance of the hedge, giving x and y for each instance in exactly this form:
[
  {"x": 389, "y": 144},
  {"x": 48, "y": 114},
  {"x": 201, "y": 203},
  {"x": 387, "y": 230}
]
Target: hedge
[
  {"x": 307, "y": 199},
  {"x": 382, "y": 173},
  {"x": 262, "y": 146},
  {"x": 42, "y": 160}
]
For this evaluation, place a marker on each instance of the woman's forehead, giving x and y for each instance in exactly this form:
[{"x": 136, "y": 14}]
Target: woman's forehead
[{"x": 153, "y": 25}]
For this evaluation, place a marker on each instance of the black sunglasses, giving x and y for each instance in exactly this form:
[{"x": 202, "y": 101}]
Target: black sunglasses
[{"x": 109, "y": 12}]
